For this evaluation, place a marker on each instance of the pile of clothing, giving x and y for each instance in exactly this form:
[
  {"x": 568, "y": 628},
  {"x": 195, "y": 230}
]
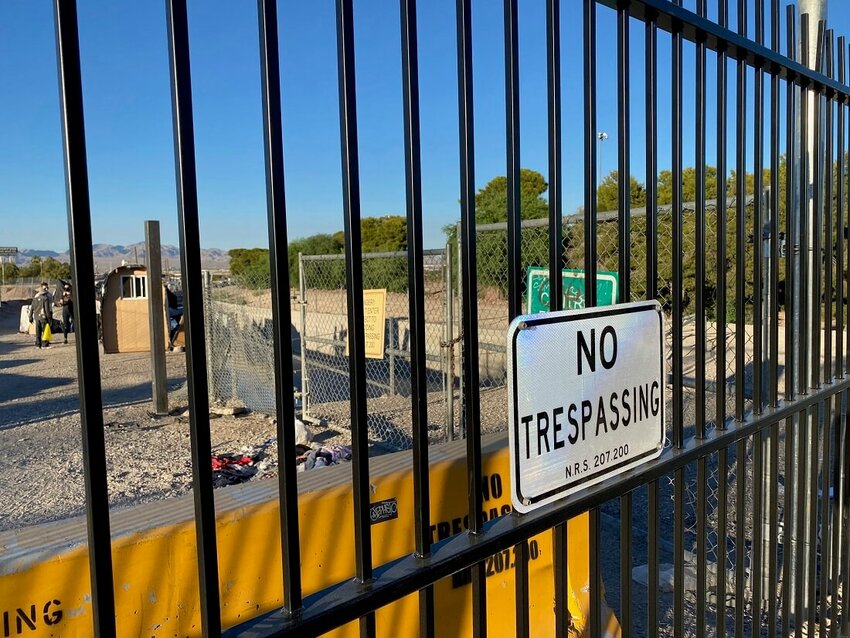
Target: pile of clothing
[
  {"x": 314, "y": 456},
  {"x": 230, "y": 469}
]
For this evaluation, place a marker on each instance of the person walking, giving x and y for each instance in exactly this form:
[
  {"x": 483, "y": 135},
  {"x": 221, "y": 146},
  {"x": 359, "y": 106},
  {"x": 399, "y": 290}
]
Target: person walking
[
  {"x": 67, "y": 304},
  {"x": 41, "y": 312}
]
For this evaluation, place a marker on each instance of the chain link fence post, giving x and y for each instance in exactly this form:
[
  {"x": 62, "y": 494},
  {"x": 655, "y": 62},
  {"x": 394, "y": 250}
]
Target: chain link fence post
[
  {"x": 449, "y": 349},
  {"x": 302, "y": 329}
]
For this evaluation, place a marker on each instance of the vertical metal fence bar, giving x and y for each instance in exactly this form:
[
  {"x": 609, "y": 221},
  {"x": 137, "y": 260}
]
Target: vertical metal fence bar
[
  {"x": 826, "y": 473},
  {"x": 788, "y": 533},
  {"x": 773, "y": 275},
  {"x": 740, "y": 225},
  {"x": 471, "y": 405},
  {"x": 590, "y": 257},
  {"x": 677, "y": 213},
  {"x": 740, "y": 534},
  {"x": 281, "y": 310},
  {"x": 721, "y": 212},
  {"x": 800, "y": 519},
  {"x": 677, "y": 309},
  {"x": 651, "y": 125},
  {"x": 652, "y": 558},
  {"x": 354, "y": 298},
  {"x": 812, "y": 536},
  {"x": 829, "y": 252},
  {"x": 722, "y": 538},
  {"x": 720, "y": 370},
  {"x": 623, "y": 153},
  {"x": 825, "y": 528},
  {"x": 773, "y": 346},
  {"x": 556, "y": 264},
  {"x": 803, "y": 423},
  {"x": 514, "y": 232},
  {"x": 839, "y": 196},
  {"x": 87, "y": 352},
  {"x": 553, "y": 86},
  {"x": 839, "y": 549},
  {"x": 590, "y": 159},
  {"x": 196, "y": 369},
  {"x": 625, "y": 270},
  {"x": 803, "y": 236},
  {"x": 788, "y": 521},
  {"x": 844, "y": 203},
  {"x": 512, "y": 161},
  {"x": 416, "y": 301},
  {"x": 759, "y": 479},
  {"x": 817, "y": 222},
  {"x": 651, "y": 122},
  {"x": 758, "y": 221},
  {"x": 700, "y": 240}
]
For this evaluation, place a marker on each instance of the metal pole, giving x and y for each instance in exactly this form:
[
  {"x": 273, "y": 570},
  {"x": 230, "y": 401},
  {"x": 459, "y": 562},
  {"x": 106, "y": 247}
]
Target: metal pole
[
  {"x": 450, "y": 348},
  {"x": 302, "y": 319},
  {"x": 156, "y": 317},
  {"x": 393, "y": 324},
  {"x": 460, "y": 343}
]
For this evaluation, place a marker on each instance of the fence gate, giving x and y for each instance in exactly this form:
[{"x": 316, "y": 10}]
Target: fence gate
[{"x": 740, "y": 527}]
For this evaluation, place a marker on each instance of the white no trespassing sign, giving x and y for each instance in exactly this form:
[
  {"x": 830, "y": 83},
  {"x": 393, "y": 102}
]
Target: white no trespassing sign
[{"x": 586, "y": 398}]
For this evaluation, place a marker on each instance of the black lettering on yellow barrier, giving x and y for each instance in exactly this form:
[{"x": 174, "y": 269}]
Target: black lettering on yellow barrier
[
  {"x": 17, "y": 620},
  {"x": 492, "y": 490},
  {"x": 496, "y": 564}
]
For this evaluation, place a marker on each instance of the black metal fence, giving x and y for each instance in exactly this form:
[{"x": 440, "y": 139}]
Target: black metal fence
[{"x": 780, "y": 582}]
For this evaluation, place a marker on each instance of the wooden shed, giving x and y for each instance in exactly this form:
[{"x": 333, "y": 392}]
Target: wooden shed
[{"x": 124, "y": 312}]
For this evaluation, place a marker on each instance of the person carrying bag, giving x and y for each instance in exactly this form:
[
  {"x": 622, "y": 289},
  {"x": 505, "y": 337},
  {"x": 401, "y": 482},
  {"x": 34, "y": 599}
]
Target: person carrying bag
[{"x": 41, "y": 312}]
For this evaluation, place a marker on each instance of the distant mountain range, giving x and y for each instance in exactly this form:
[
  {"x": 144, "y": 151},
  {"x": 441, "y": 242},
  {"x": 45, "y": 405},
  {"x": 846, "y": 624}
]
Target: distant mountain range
[{"x": 107, "y": 256}]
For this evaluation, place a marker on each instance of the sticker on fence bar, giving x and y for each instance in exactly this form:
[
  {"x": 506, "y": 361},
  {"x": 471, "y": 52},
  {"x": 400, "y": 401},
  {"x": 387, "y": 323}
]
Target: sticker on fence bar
[
  {"x": 537, "y": 296},
  {"x": 586, "y": 398},
  {"x": 374, "y": 322}
]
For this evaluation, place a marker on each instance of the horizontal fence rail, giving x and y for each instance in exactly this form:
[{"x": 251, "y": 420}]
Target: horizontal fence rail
[{"x": 745, "y": 504}]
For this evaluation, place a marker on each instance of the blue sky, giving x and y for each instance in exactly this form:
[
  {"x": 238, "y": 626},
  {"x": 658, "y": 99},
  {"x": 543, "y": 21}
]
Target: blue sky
[{"x": 128, "y": 113}]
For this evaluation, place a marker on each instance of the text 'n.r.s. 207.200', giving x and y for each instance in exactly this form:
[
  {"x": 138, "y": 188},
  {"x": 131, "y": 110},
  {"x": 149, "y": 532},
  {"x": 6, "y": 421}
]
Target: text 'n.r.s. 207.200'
[{"x": 586, "y": 398}]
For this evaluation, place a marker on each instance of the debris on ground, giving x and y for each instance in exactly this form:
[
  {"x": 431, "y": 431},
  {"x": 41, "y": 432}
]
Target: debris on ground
[
  {"x": 228, "y": 408},
  {"x": 322, "y": 456},
  {"x": 250, "y": 462}
]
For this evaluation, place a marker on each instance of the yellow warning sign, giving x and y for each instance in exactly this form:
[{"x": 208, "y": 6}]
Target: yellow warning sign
[{"x": 374, "y": 322}]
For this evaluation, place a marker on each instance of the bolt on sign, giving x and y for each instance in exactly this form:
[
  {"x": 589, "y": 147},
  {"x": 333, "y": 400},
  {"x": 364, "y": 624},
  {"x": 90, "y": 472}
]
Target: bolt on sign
[
  {"x": 374, "y": 322},
  {"x": 537, "y": 295},
  {"x": 586, "y": 398}
]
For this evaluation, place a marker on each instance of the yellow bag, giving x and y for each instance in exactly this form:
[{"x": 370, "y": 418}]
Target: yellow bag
[{"x": 47, "y": 334}]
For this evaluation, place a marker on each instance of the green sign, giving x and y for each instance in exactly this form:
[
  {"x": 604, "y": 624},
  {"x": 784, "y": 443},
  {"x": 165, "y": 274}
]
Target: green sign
[{"x": 537, "y": 299}]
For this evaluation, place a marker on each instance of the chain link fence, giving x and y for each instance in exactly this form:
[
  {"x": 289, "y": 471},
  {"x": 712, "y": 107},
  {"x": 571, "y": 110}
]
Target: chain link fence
[
  {"x": 240, "y": 351},
  {"x": 241, "y": 354}
]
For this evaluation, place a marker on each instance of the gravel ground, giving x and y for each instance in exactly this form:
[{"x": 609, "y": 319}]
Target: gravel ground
[{"x": 148, "y": 456}]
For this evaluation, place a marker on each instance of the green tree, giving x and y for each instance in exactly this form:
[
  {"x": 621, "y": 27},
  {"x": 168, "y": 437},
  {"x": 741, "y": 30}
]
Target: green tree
[
  {"x": 491, "y": 207},
  {"x": 321, "y": 244},
  {"x": 384, "y": 234},
  {"x": 250, "y": 266},
  {"x": 47, "y": 268},
  {"x": 608, "y": 193},
  {"x": 491, "y": 202},
  {"x": 11, "y": 270}
]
